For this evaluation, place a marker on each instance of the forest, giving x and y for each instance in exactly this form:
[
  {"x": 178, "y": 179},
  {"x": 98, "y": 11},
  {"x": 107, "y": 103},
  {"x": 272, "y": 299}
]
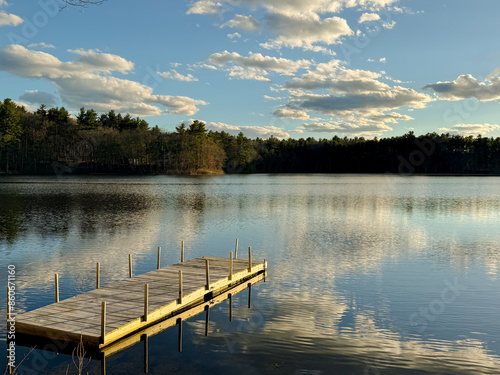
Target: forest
[{"x": 49, "y": 141}]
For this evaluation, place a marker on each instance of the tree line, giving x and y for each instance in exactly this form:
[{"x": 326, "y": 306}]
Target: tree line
[{"x": 49, "y": 140}]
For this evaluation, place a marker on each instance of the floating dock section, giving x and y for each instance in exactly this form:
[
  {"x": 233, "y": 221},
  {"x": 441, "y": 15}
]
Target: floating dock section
[{"x": 110, "y": 313}]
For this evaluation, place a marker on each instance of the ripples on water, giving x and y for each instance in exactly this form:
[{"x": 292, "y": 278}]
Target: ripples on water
[{"x": 368, "y": 274}]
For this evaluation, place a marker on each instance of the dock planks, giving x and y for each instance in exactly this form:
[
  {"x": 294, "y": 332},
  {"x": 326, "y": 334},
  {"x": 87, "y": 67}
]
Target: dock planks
[{"x": 79, "y": 317}]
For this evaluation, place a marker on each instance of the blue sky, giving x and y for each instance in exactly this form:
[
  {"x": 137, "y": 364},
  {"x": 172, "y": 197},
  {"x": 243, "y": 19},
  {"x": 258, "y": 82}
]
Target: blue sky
[{"x": 288, "y": 68}]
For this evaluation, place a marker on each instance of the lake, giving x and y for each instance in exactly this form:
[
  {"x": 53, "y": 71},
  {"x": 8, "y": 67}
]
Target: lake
[{"x": 367, "y": 274}]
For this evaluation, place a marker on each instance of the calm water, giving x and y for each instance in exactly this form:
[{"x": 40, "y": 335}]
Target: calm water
[{"x": 367, "y": 274}]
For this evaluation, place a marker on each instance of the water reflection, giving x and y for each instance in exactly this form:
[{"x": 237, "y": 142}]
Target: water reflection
[{"x": 351, "y": 259}]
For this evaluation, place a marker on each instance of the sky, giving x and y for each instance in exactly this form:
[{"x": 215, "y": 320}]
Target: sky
[{"x": 287, "y": 68}]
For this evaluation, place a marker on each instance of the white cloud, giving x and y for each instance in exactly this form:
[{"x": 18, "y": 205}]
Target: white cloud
[
  {"x": 38, "y": 97},
  {"x": 41, "y": 45},
  {"x": 28, "y": 107},
  {"x": 3, "y": 3},
  {"x": 304, "y": 31},
  {"x": 389, "y": 25},
  {"x": 292, "y": 113},
  {"x": 86, "y": 81},
  {"x": 257, "y": 60},
  {"x": 466, "y": 86},
  {"x": 204, "y": 7},
  {"x": 471, "y": 129},
  {"x": 365, "y": 103},
  {"x": 345, "y": 128},
  {"x": 174, "y": 75},
  {"x": 336, "y": 78},
  {"x": 246, "y": 23},
  {"x": 250, "y": 131},
  {"x": 367, "y": 17},
  {"x": 8, "y": 19},
  {"x": 95, "y": 60},
  {"x": 234, "y": 36},
  {"x": 267, "y": 97},
  {"x": 383, "y": 60},
  {"x": 351, "y": 90},
  {"x": 250, "y": 73}
]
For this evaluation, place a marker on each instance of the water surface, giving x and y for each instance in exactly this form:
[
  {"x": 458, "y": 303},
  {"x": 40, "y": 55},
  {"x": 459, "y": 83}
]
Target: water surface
[{"x": 367, "y": 274}]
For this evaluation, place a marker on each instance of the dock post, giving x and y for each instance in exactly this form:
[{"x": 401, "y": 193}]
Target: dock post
[
  {"x": 146, "y": 302},
  {"x": 180, "y": 287},
  {"x": 250, "y": 259},
  {"x": 236, "y": 250},
  {"x": 146, "y": 353},
  {"x": 207, "y": 274},
  {"x": 57, "y": 287},
  {"x": 179, "y": 341},
  {"x": 182, "y": 251},
  {"x": 158, "y": 261},
  {"x": 207, "y": 309},
  {"x": 230, "y": 297},
  {"x": 103, "y": 365},
  {"x": 231, "y": 265},
  {"x": 103, "y": 322},
  {"x": 249, "y": 295},
  {"x": 130, "y": 265},
  {"x": 98, "y": 275}
]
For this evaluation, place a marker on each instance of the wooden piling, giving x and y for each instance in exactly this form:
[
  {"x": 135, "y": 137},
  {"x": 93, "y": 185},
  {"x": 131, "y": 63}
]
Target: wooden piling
[
  {"x": 130, "y": 265},
  {"x": 249, "y": 295},
  {"x": 98, "y": 275},
  {"x": 57, "y": 287},
  {"x": 158, "y": 260},
  {"x": 180, "y": 287},
  {"x": 146, "y": 302},
  {"x": 207, "y": 274},
  {"x": 231, "y": 265},
  {"x": 236, "y": 250},
  {"x": 249, "y": 259},
  {"x": 207, "y": 317},
  {"x": 146, "y": 354},
  {"x": 179, "y": 340},
  {"x": 103, "y": 322},
  {"x": 230, "y": 297},
  {"x": 182, "y": 251}
]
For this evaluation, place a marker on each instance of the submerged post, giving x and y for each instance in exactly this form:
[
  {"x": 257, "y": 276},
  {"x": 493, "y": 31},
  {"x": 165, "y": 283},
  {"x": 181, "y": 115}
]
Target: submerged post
[
  {"x": 236, "y": 250},
  {"x": 179, "y": 341},
  {"x": 98, "y": 275},
  {"x": 249, "y": 259},
  {"x": 180, "y": 287},
  {"x": 146, "y": 353},
  {"x": 207, "y": 274},
  {"x": 231, "y": 265},
  {"x": 130, "y": 265},
  {"x": 230, "y": 296},
  {"x": 57, "y": 287},
  {"x": 207, "y": 317},
  {"x": 182, "y": 251},
  {"x": 146, "y": 302},
  {"x": 158, "y": 261},
  {"x": 103, "y": 322},
  {"x": 249, "y": 295}
]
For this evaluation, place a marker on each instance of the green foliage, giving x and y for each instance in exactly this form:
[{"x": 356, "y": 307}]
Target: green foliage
[
  {"x": 49, "y": 140},
  {"x": 10, "y": 129}
]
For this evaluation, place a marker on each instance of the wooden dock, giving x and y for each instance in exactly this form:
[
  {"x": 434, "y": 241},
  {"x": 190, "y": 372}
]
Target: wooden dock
[{"x": 109, "y": 313}]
